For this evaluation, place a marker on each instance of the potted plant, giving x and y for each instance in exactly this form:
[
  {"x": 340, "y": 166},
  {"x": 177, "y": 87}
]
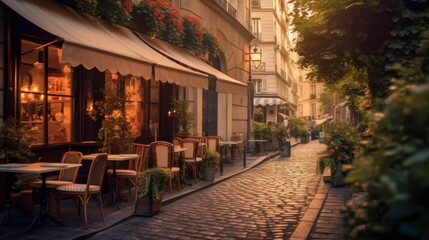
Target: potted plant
[
  {"x": 14, "y": 142},
  {"x": 211, "y": 160},
  {"x": 15, "y": 148},
  {"x": 22, "y": 185},
  {"x": 183, "y": 116},
  {"x": 115, "y": 133},
  {"x": 150, "y": 189},
  {"x": 342, "y": 141},
  {"x": 282, "y": 137}
]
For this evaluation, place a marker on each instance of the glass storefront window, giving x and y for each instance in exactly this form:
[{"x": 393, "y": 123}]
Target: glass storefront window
[{"x": 47, "y": 111}]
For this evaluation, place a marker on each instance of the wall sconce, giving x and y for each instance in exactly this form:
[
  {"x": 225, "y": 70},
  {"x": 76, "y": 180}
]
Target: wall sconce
[{"x": 256, "y": 55}]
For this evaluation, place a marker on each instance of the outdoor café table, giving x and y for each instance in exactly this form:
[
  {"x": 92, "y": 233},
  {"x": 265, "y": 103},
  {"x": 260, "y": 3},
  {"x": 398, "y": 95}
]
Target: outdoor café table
[
  {"x": 261, "y": 144},
  {"x": 38, "y": 168},
  {"x": 224, "y": 144},
  {"x": 180, "y": 150},
  {"x": 113, "y": 195}
]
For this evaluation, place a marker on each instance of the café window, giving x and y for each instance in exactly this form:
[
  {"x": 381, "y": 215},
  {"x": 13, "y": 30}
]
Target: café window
[
  {"x": 134, "y": 92},
  {"x": 46, "y": 95}
]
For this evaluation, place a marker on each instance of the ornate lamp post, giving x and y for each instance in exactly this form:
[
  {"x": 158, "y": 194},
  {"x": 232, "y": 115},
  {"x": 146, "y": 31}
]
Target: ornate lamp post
[{"x": 255, "y": 53}]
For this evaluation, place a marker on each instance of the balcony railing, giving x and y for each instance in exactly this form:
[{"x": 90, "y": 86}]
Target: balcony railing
[
  {"x": 258, "y": 35},
  {"x": 227, "y": 7},
  {"x": 313, "y": 96}
]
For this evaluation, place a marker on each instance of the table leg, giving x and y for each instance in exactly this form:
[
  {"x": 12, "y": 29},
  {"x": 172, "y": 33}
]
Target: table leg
[
  {"x": 222, "y": 158},
  {"x": 7, "y": 202},
  {"x": 43, "y": 214},
  {"x": 112, "y": 197}
]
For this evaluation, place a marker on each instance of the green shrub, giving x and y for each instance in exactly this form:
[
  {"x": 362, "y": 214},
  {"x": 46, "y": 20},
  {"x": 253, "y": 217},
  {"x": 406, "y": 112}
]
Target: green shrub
[{"x": 394, "y": 167}]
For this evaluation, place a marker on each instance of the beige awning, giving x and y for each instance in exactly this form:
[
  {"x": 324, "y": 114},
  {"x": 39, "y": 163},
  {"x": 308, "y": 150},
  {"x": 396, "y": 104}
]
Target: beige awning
[
  {"x": 225, "y": 83},
  {"x": 90, "y": 42},
  {"x": 260, "y": 101}
]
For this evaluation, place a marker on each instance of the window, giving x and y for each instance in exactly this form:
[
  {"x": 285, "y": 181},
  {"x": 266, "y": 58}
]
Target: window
[
  {"x": 133, "y": 87},
  {"x": 313, "y": 91},
  {"x": 46, "y": 99},
  {"x": 313, "y": 110},
  {"x": 259, "y": 85},
  {"x": 256, "y": 28}
]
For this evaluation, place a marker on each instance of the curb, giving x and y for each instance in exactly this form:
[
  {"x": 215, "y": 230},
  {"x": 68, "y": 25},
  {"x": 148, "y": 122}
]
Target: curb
[{"x": 303, "y": 230}]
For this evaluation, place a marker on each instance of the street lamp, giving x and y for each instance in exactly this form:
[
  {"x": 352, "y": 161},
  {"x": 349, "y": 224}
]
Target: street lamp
[{"x": 255, "y": 53}]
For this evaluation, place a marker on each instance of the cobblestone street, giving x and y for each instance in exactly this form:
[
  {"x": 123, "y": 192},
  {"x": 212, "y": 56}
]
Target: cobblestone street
[{"x": 266, "y": 202}]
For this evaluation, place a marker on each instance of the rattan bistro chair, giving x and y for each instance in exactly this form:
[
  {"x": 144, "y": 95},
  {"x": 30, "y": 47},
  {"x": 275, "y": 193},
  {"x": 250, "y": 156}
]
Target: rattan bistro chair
[
  {"x": 190, "y": 158},
  {"x": 83, "y": 192},
  {"x": 213, "y": 143},
  {"x": 162, "y": 153},
  {"x": 135, "y": 167},
  {"x": 66, "y": 176}
]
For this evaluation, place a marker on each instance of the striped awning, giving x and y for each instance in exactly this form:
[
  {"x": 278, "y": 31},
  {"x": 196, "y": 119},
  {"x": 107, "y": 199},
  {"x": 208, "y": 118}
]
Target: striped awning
[{"x": 268, "y": 101}]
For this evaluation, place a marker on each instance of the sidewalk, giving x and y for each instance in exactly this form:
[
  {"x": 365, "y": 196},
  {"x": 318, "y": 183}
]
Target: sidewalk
[
  {"x": 316, "y": 223},
  {"x": 73, "y": 228}
]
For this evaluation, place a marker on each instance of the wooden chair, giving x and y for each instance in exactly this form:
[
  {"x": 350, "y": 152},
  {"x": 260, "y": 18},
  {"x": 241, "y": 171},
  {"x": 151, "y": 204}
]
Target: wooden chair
[
  {"x": 134, "y": 167},
  {"x": 213, "y": 143},
  {"x": 190, "y": 156},
  {"x": 83, "y": 192},
  {"x": 162, "y": 153},
  {"x": 66, "y": 176}
]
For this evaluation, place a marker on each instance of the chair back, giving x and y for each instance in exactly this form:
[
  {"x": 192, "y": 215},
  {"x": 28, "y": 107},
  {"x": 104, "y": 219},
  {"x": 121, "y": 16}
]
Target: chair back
[
  {"x": 141, "y": 163},
  {"x": 162, "y": 153},
  {"x": 237, "y": 138},
  {"x": 192, "y": 148},
  {"x": 177, "y": 141},
  {"x": 70, "y": 174},
  {"x": 213, "y": 143},
  {"x": 96, "y": 171}
]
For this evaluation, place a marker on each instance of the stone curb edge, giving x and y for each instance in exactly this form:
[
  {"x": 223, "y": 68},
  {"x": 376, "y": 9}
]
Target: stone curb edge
[{"x": 303, "y": 230}]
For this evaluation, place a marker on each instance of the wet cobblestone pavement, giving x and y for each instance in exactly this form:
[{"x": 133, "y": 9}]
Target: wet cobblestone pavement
[{"x": 266, "y": 202}]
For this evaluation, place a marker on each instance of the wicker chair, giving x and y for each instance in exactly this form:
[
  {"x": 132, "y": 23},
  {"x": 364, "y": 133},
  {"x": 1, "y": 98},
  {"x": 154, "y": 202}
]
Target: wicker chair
[
  {"x": 83, "y": 192},
  {"x": 134, "y": 167},
  {"x": 162, "y": 153},
  {"x": 66, "y": 176},
  {"x": 190, "y": 156}
]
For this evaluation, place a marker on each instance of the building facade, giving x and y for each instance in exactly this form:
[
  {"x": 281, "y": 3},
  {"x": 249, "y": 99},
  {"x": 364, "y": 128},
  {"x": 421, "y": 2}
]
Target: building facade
[
  {"x": 275, "y": 83},
  {"x": 55, "y": 69}
]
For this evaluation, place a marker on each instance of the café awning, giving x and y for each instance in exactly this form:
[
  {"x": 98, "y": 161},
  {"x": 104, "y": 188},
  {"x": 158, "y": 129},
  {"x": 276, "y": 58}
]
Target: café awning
[
  {"x": 90, "y": 42},
  {"x": 260, "y": 101},
  {"x": 224, "y": 83}
]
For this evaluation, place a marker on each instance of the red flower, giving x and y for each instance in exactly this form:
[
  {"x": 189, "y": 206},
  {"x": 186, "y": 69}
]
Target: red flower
[
  {"x": 331, "y": 151},
  {"x": 339, "y": 158},
  {"x": 128, "y": 5}
]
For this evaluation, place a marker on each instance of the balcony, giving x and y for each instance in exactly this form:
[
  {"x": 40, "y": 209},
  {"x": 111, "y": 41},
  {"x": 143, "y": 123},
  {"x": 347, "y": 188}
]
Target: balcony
[
  {"x": 256, "y": 3},
  {"x": 227, "y": 7},
  {"x": 257, "y": 35},
  {"x": 313, "y": 96}
]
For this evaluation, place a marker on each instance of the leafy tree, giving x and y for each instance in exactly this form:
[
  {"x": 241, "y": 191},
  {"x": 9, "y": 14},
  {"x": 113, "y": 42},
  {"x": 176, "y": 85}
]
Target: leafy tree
[
  {"x": 393, "y": 167},
  {"x": 371, "y": 36}
]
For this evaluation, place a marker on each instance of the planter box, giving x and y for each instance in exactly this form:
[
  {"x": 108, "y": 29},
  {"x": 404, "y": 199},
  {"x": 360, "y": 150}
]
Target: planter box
[
  {"x": 209, "y": 174},
  {"x": 146, "y": 206}
]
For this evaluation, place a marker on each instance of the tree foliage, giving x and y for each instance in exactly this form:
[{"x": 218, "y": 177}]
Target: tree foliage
[
  {"x": 393, "y": 167},
  {"x": 370, "y": 35}
]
